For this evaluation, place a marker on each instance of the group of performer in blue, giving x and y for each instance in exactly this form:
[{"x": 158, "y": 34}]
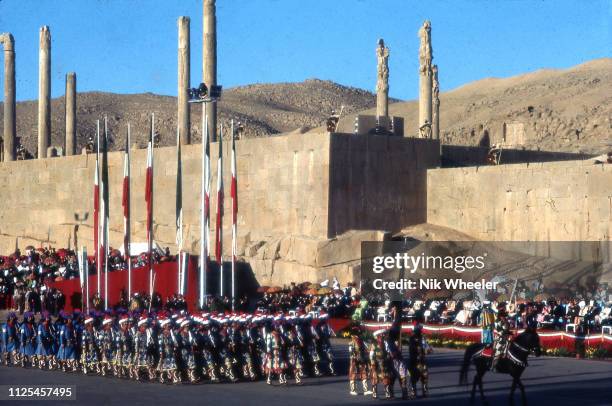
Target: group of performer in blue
[{"x": 173, "y": 348}]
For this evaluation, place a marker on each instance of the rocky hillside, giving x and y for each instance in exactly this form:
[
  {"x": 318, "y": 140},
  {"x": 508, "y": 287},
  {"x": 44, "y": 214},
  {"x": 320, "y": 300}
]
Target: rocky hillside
[
  {"x": 560, "y": 110},
  {"x": 265, "y": 109}
]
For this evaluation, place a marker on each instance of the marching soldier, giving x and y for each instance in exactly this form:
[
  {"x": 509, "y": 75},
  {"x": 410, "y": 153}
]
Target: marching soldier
[
  {"x": 66, "y": 354},
  {"x": 502, "y": 338},
  {"x": 380, "y": 368},
  {"x": 168, "y": 346},
  {"x": 143, "y": 345},
  {"x": 27, "y": 338},
  {"x": 122, "y": 361},
  {"x": 44, "y": 348},
  {"x": 105, "y": 342},
  {"x": 400, "y": 369},
  {"x": 418, "y": 366},
  {"x": 295, "y": 355},
  {"x": 10, "y": 340},
  {"x": 188, "y": 345},
  {"x": 323, "y": 335},
  {"x": 358, "y": 362},
  {"x": 90, "y": 360}
]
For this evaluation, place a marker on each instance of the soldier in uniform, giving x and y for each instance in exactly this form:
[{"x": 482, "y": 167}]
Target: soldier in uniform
[
  {"x": 358, "y": 362},
  {"x": 418, "y": 366},
  {"x": 276, "y": 360},
  {"x": 323, "y": 335},
  {"x": 105, "y": 342},
  {"x": 168, "y": 346},
  {"x": 124, "y": 349},
  {"x": 66, "y": 353},
  {"x": 295, "y": 354},
  {"x": 400, "y": 369},
  {"x": 89, "y": 348},
  {"x": 188, "y": 346},
  {"x": 380, "y": 368},
  {"x": 227, "y": 349},
  {"x": 27, "y": 338},
  {"x": 10, "y": 340},
  {"x": 245, "y": 353},
  {"x": 502, "y": 337},
  {"x": 143, "y": 344},
  {"x": 44, "y": 348}
]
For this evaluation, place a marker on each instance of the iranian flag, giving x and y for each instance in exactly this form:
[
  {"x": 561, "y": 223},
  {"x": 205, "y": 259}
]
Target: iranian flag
[
  {"x": 105, "y": 211},
  {"x": 234, "y": 194},
  {"x": 179, "y": 214},
  {"x": 125, "y": 202},
  {"x": 205, "y": 211},
  {"x": 149, "y": 201},
  {"x": 219, "y": 227},
  {"x": 96, "y": 210}
]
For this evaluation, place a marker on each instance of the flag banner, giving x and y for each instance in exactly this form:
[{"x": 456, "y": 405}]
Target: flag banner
[
  {"x": 85, "y": 277},
  {"x": 205, "y": 210},
  {"x": 81, "y": 268},
  {"x": 179, "y": 200},
  {"x": 234, "y": 195},
  {"x": 125, "y": 202},
  {"x": 219, "y": 227},
  {"x": 149, "y": 201},
  {"x": 96, "y": 219},
  {"x": 105, "y": 210},
  {"x": 183, "y": 273}
]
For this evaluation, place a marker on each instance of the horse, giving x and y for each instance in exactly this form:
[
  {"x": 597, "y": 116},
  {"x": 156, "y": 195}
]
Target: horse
[{"x": 513, "y": 363}]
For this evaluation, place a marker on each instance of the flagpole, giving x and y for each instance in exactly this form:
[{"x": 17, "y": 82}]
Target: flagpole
[
  {"x": 205, "y": 208},
  {"x": 126, "y": 211},
  {"x": 233, "y": 193},
  {"x": 179, "y": 211},
  {"x": 97, "y": 214},
  {"x": 203, "y": 236},
  {"x": 150, "y": 211},
  {"x": 219, "y": 230},
  {"x": 106, "y": 211},
  {"x": 86, "y": 264}
]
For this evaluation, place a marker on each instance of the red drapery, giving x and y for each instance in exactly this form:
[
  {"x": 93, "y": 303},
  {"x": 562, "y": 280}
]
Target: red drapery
[
  {"x": 548, "y": 339},
  {"x": 166, "y": 283}
]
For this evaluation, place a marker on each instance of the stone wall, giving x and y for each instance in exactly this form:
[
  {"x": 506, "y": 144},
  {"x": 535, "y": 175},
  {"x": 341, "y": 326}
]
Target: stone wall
[
  {"x": 299, "y": 197},
  {"x": 553, "y": 201},
  {"x": 283, "y": 189},
  {"x": 462, "y": 155},
  {"x": 379, "y": 183}
]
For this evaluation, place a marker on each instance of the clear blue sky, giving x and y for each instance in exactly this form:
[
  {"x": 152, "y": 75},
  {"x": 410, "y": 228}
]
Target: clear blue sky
[{"x": 129, "y": 46}]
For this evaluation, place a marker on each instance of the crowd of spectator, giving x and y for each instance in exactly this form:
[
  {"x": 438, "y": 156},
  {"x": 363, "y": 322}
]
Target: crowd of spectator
[
  {"x": 24, "y": 275},
  {"x": 549, "y": 313}
]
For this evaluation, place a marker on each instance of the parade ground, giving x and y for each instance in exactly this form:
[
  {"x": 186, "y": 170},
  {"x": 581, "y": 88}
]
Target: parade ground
[{"x": 548, "y": 381}]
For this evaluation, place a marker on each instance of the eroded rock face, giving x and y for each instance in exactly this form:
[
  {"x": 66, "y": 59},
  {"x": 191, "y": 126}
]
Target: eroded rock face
[{"x": 281, "y": 261}]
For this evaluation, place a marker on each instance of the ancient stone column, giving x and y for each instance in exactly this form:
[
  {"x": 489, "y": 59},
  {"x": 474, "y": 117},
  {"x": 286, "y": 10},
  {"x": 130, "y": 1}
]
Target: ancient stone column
[
  {"x": 184, "y": 51},
  {"x": 71, "y": 129},
  {"x": 435, "y": 123},
  {"x": 209, "y": 65},
  {"x": 44, "y": 92},
  {"x": 425, "y": 76},
  {"x": 10, "y": 129},
  {"x": 382, "y": 82}
]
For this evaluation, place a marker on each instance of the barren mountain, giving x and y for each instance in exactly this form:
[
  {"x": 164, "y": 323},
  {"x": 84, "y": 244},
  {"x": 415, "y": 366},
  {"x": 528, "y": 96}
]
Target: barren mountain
[
  {"x": 566, "y": 110},
  {"x": 265, "y": 109},
  {"x": 560, "y": 110}
]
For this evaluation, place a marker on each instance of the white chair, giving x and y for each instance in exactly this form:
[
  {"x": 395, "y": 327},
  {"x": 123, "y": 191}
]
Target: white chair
[
  {"x": 314, "y": 314},
  {"x": 381, "y": 312},
  {"x": 606, "y": 330},
  {"x": 570, "y": 326}
]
